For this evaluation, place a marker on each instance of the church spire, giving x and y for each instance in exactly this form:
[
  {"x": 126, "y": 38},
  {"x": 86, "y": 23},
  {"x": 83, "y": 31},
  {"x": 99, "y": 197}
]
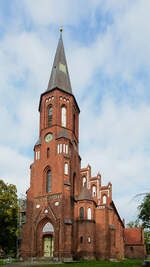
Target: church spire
[{"x": 59, "y": 75}]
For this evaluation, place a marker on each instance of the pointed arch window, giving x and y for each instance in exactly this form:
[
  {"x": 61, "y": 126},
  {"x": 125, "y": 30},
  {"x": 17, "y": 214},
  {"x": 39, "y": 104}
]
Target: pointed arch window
[
  {"x": 50, "y": 115},
  {"x": 48, "y": 227},
  {"x": 104, "y": 199},
  {"x": 84, "y": 181},
  {"x": 49, "y": 181},
  {"x": 94, "y": 191},
  {"x": 81, "y": 213},
  {"x": 63, "y": 116}
]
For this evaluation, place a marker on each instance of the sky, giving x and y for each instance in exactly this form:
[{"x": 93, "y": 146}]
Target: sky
[{"x": 107, "y": 45}]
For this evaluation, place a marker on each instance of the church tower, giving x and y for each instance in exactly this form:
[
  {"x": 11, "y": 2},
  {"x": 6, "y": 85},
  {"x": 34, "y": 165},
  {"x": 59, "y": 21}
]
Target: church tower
[{"x": 55, "y": 172}]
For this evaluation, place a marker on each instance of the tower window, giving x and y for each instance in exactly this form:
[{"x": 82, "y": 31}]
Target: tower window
[
  {"x": 104, "y": 199},
  {"x": 66, "y": 149},
  {"x": 37, "y": 155},
  {"x": 50, "y": 115},
  {"x": 89, "y": 239},
  {"x": 63, "y": 116},
  {"x": 66, "y": 168},
  {"x": 89, "y": 214},
  {"x": 48, "y": 152},
  {"x": 94, "y": 191},
  {"x": 58, "y": 148},
  {"x": 81, "y": 239},
  {"x": 81, "y": 213},
  {"x": 49, "y": 182},
  {"x": 84, "y": 181}
]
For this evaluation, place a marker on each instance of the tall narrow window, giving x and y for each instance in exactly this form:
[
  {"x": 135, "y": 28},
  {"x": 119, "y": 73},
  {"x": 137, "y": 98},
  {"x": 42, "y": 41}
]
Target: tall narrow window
[
  {"x": 66, "y": 168},
  {"x": 49, "y": 182},
  {"x": 81, "y": 213},
  {"x": 104, "y": 199},
  {"x": 50, "y": 115},
  {"x": 60, "y": 148},
  {"x": 84, "y": 181},
  {"x": 89, "y": 214},
  {"x": 64, "y": 148},
  {"x": 63, "y": 116},
  {"x": 81, "y": 239},
  {"x": 48, "y": 152},
  {"x": 94, "y": 191}
]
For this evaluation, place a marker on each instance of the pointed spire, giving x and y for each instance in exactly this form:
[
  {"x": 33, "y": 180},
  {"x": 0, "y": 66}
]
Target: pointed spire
[{"x": 59, "y": 75}]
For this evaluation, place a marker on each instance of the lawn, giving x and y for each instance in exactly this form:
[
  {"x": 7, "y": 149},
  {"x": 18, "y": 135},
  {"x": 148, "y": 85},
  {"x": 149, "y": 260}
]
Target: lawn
[{"x": 125, "y": 263}]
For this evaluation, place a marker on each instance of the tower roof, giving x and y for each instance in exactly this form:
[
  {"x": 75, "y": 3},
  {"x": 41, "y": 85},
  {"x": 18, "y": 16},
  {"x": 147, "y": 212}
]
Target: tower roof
[
  {"x": 63, "y": 134},
  {"x": 59, "y": 75}
]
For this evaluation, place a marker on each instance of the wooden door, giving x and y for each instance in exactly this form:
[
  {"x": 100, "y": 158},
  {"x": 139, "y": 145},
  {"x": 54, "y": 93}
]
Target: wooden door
[{"x": 48, "y": 246}]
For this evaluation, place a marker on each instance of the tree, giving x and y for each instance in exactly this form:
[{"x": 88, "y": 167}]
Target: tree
[
  {"x": 144, "y": 216},
  {"x": 144, "y": 211},
  {"x": 8, "y": 217},
  {"x": 133, "y": 224}
]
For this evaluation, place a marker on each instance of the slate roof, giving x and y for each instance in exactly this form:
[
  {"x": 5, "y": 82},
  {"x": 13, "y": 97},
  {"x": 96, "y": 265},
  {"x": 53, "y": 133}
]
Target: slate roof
[
  {"x": 84, "y": 194},
  {"x": 38, "y": 142},
  {"x": 63, "y": 134},
  {"x": 59, "y": 75}
]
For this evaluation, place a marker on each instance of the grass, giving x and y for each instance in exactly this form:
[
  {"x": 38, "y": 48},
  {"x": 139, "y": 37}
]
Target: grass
[
  {"x": 124, "y": 263},
  {"x": 102, "y": 263}
]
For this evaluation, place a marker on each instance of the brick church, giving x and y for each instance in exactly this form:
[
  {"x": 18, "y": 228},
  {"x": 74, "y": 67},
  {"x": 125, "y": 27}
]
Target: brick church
[{"x": 69, "y": 213}]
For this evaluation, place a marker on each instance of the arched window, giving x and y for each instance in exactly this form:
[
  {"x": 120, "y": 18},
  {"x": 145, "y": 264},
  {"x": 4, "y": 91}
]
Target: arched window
[
  {"x": 84, "y": 181},
  {"x": 89, "y": 214},
  {"x": 81, "y": 213},
  {"x": 49, "y": 182},
  {"x": 89, "y": 239},
  {"x": 50, "y": 115},
  {"x": 104, "y": 199},
  {"x": 94, "y": 191},
  {"x": 66, "y": 168},
  {"x": 81, "y": 239},
  {"x": 48, "y": 227},
  {"x": 63, "y": 116}
]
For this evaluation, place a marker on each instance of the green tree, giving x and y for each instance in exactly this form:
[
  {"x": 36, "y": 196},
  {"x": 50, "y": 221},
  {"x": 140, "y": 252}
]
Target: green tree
[
  {"x": 144, "y": 211},
  {"x": 8, "y": 217},
  {"x": 144, "y": 216},
  {"x": 133, "y": 224}
]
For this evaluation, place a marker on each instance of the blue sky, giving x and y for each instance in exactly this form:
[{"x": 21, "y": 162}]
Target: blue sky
[{"x": 107, "y": 49}]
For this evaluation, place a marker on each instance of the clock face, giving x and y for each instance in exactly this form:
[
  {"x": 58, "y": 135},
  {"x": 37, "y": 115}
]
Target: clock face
[{"x": 48, "y": 137}]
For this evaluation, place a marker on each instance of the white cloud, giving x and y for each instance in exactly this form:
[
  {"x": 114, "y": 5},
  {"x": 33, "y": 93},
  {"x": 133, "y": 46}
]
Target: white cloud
[{"x": 14, "y": 168}]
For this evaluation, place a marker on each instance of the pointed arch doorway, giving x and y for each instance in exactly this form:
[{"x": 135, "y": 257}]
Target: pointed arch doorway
[
  {"x": 48, "y": 245},
  {"x": 48, "y": 240}
]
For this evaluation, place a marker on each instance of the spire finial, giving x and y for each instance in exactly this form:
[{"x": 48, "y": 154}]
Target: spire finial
[{"x": 61, "y": 29}]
